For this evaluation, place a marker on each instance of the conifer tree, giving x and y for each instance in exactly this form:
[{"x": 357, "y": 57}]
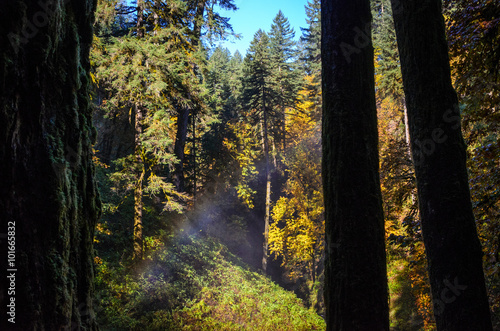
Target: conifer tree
[
  {"x": 285, "y": 76},
  {"x": 257, "y": 97},
  {"x": 356, "y": 295},
  {"x": 311, "y": 37},
  {"x": 452, "y": 246},
  {"x": 311, "y": 54},
  {"x": 49, "y": 203},
  {"x": 202, "y": 16},
  {"x": 145, "y": 76},
  {"x": 389, "y": 82},
  {"x": 224, "y": 158}
]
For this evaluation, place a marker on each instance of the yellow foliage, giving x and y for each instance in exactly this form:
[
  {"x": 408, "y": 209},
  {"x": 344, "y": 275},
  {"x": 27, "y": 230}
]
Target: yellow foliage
[{"x": 297, "y": 229}]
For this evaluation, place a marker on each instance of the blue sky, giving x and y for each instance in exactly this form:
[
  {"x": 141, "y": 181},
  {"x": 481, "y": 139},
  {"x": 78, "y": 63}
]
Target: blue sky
[{"x": 253, "y": 15}]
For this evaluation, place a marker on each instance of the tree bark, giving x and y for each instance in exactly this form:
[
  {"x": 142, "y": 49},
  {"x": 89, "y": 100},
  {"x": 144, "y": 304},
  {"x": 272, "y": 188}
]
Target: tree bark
[
  {"x": 180, "y": 144},
  {"x": 49, "y": 203},
  {"x": 140, "y": 19},
  {"x": 138, "y": 190},
  {"x": 198, "y": 21},
  {"x": 453, "y": 250},
  {"x": 267, "y": 214},
  {"x": 355, "y": 265},
  {"x": 193, "y": 151},
  {"x": 183, "y": 117}
]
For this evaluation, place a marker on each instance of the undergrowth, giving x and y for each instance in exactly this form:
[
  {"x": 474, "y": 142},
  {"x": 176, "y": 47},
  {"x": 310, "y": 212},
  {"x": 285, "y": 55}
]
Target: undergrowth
[{"x": 195, "y": 283}]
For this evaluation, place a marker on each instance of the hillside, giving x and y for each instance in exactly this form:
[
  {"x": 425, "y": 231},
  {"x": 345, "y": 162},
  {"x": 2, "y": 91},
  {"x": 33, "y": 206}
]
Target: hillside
[{"x": 195, "y": 283}]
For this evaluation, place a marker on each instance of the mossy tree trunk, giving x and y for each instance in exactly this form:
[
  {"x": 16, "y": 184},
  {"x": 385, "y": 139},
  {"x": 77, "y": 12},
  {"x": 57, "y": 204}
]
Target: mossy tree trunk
[
  {"x": 140, "y": 170},
  {"x": 48, "y": 195},
  {"x": 356, "y": 294},
  {"x": 140, "y": 173},
  {"x": 453, "y": 250}
]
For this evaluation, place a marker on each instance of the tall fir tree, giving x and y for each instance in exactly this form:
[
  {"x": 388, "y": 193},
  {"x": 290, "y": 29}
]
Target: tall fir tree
[
  {"x": 146, "y": 76},
  {"x": 311, "y": 37},
  {"x": 200, "y": 18},
  {"x": 257, "y": 97},
  {"x": 285, "y": 75},
  {"x": 311, "y": 55}
]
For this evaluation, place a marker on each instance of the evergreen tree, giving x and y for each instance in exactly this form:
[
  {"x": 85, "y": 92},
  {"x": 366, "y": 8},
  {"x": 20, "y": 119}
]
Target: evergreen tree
[
  {"x": 202, "y": 16},
  {"x": 311, "y": 37},
  {"x": 389, "y": 83},
  {"x": 146, "y": 76},
  {"x": 355, "y": 265},
  {"x": 311, "y": 56},
  {"x": 453, "y": 249},
  {"x": 285, "y": 76},
  {"x": 257, "y": 96}
]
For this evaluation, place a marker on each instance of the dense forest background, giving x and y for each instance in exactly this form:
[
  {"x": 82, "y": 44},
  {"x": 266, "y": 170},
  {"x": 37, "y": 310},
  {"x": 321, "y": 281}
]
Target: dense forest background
[{"x": 209, "y": 166}]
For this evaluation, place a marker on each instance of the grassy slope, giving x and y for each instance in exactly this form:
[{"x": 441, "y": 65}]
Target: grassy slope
[{"x": 196, "y": 284}]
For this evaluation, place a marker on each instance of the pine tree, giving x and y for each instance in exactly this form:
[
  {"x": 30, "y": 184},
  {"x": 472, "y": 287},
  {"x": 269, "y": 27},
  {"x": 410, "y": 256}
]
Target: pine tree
[
  {"x": 389, "y": 83},
  {"x": 311, "y": 57},
  {"x": 285, "y": 76},
  {"x": 202, "y": 16},
  {"x": 311, "y": 37},
  {"x": 146, "y": 76},
  {"x": 257, "y": 98}
]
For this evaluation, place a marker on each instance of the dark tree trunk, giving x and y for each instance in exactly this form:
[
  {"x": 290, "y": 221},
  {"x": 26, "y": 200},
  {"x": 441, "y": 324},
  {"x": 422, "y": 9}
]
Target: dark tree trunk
[
  {"x": 453, "y": 250},
  {"x": 355, "y": 265},
  {"x": 48, "y": 195},
  {"x": 180, "y": 144}
]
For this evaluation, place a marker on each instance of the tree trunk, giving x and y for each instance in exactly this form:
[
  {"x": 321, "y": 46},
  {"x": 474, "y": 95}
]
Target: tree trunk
[
  {"x": 156, "y": 17},
  {"x": 448, "y": 225},
  {"x": 267, "y": 215},
  {"x": 183, "y": 117},
  {"x": 198, "y": 21},
  {"x": 138, "y": 190},
  {"x": 140, "y": 18},
  {"x": 180, "y": 144},
  {"x": 355, "y": 265},
  {"x": 49, "y": 203},
  {"x": 193, "y": 151}
]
